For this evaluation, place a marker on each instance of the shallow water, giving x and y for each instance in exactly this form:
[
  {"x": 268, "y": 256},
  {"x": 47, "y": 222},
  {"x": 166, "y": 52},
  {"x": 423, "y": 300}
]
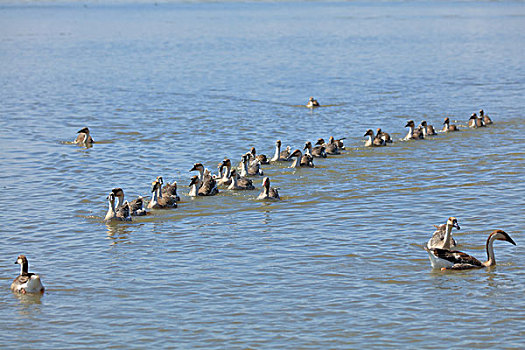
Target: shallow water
[{"x": 338, "y": 263}]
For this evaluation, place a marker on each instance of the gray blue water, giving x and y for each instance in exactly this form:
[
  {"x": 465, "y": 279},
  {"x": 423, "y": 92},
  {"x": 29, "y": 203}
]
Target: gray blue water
[{"x": 338, "y": 263}]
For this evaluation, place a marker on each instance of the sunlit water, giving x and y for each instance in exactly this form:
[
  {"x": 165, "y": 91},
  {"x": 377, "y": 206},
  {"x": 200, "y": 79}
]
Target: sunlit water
[{"x": 338, "y": 263}]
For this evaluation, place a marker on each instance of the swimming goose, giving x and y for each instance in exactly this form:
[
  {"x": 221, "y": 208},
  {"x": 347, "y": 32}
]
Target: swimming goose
[
  {"x": 122, "y": 214},
  {"x": 224, "y": 180},
  {"x": 208, "y": 185},
  {"x": 447, "y": 127},
  {"x": 170, "y": 189},
  {"x": 412, "y": 134},
  {"x": 442, "y": 237},
  {"x": 339, "y": 143},
  {"x": 240, "y": 183},
  {"x": 136, "y": 206},
  {"x": 475, "y": 122},
  {"x": 260, "y": 157},
  {"x": 455, "y": 260},
  {"x": 301, "y": 160},
  {"x": 281, "y": 156},
  {"x": 373, "y": 141},
  {"x": 253, "y": 169},
  {"x": 427, "y": 129},
  {"x": 316, "y": 152},
  {"x": 158, "y": 200},
  {"x": 268, "y": 192},
  {"x": 83, "y": 137},
  {"x": 486, "y": 118},
  {"x": 383, "y": 135},
  {"x": 26, "y": 282},
  {"x": 312, "y": 103},
  {"x": 330, "y": 148}
]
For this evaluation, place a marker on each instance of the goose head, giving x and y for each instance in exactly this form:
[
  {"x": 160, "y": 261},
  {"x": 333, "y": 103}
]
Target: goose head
[
  {"x": 266, "y": 182},
  {"x": 320, "y": 142},
  {"x": 118, "y": 192},
  {"x": 197, "y": 166},
  {"x": 369, "y": 132},
  {"x": 194, "y": 181},
  {"x": 473, "y": 116},
  {"x": 502, "y": 236},
  {"x": 481, "y": 113},
  {"x": 379, "y": 131},
  {"x": 311, "y": 99},
  {"x": 409, "y": 124},
  {"x": 446, "y": 121},
  {"x": 424, "y": 123},
  {"x": 154, "y": 185},
  {"x": 296, "y": 153},
  {"x": 253, "y": 152},
  {"x": 160, "y": 180},
  {"x": 331, "y": 140},
  {"x": 452, "y": 221},
  {"x": 84, "y": 130},
  {"x": 278, "y": 143},
  {"x": 307, "y": 145},
  {"x": 233, "y": 174},
  {"x": 21, "y": 259}
]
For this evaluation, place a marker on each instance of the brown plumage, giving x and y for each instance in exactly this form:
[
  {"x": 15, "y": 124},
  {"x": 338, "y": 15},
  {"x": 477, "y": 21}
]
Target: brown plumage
[{"x": 447, "y": 127}]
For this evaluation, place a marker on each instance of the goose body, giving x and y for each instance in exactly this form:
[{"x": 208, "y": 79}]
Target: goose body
[
  {"x": 160, "y": 200},
  {"x": 224, "y": 170},
  {"x": 486, "y": 118},
  {"x": 447, "y": 127},
  {"x": 373, "y": 141},
  {"x": 26, "y": 282},
  {"x": 442, "y": 237},
  {"x": 312, "y": 103},
  {"x": 475, "y": 122},
  {"x": 120, "y": 214},
  {"x": 281, "y": 156},
  {"x": 261, "y": 158},
  {"x": 253, "y": 169},
  {"x": 427, "y": 129},
  {"x": 83, "y": 137},
  {"x": 268, "y": 192},
  {"x": 316, "y": 152},
  {"x": 330, "y": 148},
  {"x": 455, "y": 260},
  {"x": 384, "y": 136},
  {"x": 240, "y": 183},
  {"x": 339, "y": 143},
  {"x": 207, "y": 185},
  {"x": 136, "y": 206},
  {"x": 301, "y": 160},
  {"x": 413, "y": 134}
]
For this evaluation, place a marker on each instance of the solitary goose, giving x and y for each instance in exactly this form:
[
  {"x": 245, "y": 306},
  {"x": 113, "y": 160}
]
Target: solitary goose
[
  {"x": 83, "y": 137},
  {"x": 169, "y": 189},
  {"x": 330, "y": 148},
  {"x": 281, "y": 156},
  {"x": 312, "y": 103},
  {"x": 260, "y": 157},
  {"x": 253, "y": 169},
  {"x": 442, "y": 237},
  {"x": 240, "y": 183},
  {"x": 224, "y": 180},
  {"x": 475, "y": 122},
  {"x": 26, "y": 282},
  {"x": 383, "y": 135},
  {"x": 122, "y": 214},
  {"x": 447, "y": 127},
  {"x": 412, "y": 134},
  {"x": 158, "y": 200},
  {"x": 301, "y": 160},
  {"x": 208, "y": 185},
  {"x": 136, "y": 206},
  {"x": 454, "y": 260},
  {"x": 373, "y": 141},
  {"x": 427, "y": 129},
  {"x": 316, "y": 152},
  {"x": 268, "y": 192},
  {"x": 486, "y": 118}
]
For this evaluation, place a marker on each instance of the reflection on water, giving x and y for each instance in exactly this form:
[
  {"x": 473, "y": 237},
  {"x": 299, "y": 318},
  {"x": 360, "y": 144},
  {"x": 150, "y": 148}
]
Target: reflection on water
[
  {"x": 118, "y": 232},
  {"x": 29, "y": 304}
]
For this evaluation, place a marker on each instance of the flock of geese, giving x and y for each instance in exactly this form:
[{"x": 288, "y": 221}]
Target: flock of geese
[{"x": 164, "y": 195}]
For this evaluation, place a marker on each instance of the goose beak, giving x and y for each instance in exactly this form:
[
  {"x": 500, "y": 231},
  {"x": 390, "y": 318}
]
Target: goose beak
[
  {"x": 510, "y": 240},
  {"x": 456, "y": 225}
]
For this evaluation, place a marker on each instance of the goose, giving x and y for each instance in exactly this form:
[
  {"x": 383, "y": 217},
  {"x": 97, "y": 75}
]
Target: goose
[
  {"x": 281, "y": 156},
  {"x": 136, "y": 206},
  {"x": 330, "y": 148},
  {"x": 170, "y": 189},
  {"x": 121, "y": 214},
  {"x": 339, "y": 143},
  {"x": 442, "y": 237},
  {"x": 474, "y": 121},
  {"x": 447, "y": 127},
  {"x": 208, "y": 185},
  {"x": 158, "y": 200},
  {"x": 486, "y": 118},
  {"x": 384, "y": 136},
  {"x": 260, "y": 157},
  {"x": 268, "y": 192},
  {"x": 83, "y": 137},
  {"x": 240, "y": 183},
  {"x": 455, "y": 260},
  {"x": 224, "y": 170},
  {"x": 412, "y": 134},
  {"x": 302, "y": 160},
  {"x": 316, "y": 152},
  {"x": 427, "y": 129},
  {"x": 26, "y": 282},
  {"x": 312, "y": 103},
  {"x": 253, "y": 169},
  {"x": 373, "y": 141}
]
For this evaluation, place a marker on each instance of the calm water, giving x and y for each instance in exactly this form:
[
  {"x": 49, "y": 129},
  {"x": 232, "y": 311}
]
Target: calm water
[{"x": 338, "y": 263}]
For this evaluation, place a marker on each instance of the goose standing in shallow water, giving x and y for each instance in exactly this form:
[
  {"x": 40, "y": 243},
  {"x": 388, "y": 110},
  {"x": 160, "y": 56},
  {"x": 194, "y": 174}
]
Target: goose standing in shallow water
[
  {"x": 268, "y": 192},
  {"x": 316, "y": 152},
  {"x": 383, "y": 136},
  {"x": 240, "y": 183},
  {"x": 281, "y": 156},
  {"x": 158, "y": 200},
  {"x": 312, "y": 103},
  {"x": 455, "y": 260},
  {"x": 330, "y": 148},
  {"x": 447, "y": 127},
  {"x": 442, "y": 237},
  {"x": 412, "y": 134},
  {"x": 208, "y": 185},
  {"x": 83, "y": 137},
  {"x": 301, "y": 160},
  {"x": 486, "y": 118},
  {"x": 136, "y": 206},
  {"x": 26, "y": 282},
  {"x": 373, "y": 141},
  {"x": 427, "y": 129}
]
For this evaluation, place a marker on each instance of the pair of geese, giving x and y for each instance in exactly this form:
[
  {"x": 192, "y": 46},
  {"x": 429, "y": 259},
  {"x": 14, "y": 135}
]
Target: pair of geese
[{"x": 441, "y": 255}]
